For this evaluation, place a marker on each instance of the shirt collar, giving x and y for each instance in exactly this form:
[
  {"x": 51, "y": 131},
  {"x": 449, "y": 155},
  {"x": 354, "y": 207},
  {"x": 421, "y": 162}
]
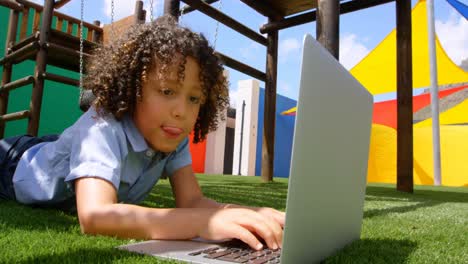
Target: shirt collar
[{"x": 136, "y": 139}]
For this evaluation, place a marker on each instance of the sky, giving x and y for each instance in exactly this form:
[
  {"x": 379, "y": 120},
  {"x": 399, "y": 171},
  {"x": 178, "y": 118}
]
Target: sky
[{"x": 360, "y": 32}]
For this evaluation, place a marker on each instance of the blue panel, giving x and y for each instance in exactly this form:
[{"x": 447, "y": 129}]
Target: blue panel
[
  {"x": 284, "y": 130},
  {"x": 460, "y": 7}
]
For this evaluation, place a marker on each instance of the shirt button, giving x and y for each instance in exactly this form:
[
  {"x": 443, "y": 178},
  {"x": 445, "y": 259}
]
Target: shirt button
[{"x": 149, "y": 153}]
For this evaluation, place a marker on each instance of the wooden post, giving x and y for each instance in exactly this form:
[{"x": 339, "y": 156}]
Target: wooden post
[
  {"x": 328, "y": 25},
  {"x": 138, "y": 16},
  {"x": 268, "y": 145},
  {"x": 404, "y": 97},
  {"x": 172, "y": 7},
  {"x": 7, "y": 68},
  {"x": 41, "y": 64},
  {"x": 97, "y": 36}
]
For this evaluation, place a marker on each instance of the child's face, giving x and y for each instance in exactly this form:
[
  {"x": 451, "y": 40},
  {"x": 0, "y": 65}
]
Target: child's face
[{"x": 168, "y": 110}]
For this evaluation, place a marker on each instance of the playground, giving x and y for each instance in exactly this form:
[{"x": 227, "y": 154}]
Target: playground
[{"x": 427, "y": 225}]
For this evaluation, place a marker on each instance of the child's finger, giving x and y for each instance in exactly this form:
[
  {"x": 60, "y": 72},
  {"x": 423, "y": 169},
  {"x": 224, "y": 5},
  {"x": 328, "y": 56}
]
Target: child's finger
[
  {"x": 275, "y": 227},
  {"x": 280, "y": 218},
  {"x": 263, "y": 228},
  {"x": 246, "y": 236}
]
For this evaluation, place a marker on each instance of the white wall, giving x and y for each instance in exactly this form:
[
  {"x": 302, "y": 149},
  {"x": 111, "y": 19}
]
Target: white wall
[
  {"x": 215, "y": 143},
  {"x": 248, "y": 91}
]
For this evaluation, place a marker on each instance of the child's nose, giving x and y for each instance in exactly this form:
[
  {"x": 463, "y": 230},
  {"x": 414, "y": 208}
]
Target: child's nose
[{"x": 179, "y": 108}]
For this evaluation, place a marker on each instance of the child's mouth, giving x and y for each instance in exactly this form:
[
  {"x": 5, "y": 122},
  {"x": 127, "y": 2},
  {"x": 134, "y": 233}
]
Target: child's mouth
[{"x": 172, "y": 132}]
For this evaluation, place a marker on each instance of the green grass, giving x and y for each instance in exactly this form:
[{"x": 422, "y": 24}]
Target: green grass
[{"x": 429, "y": 226}]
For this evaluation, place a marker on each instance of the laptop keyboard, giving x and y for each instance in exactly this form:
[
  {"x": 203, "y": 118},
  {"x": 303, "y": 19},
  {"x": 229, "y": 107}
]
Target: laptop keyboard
[{"x": 240, "y": 254}]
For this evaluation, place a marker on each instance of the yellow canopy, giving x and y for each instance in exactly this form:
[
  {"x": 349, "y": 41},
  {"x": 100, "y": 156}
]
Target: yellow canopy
[
  {"x": 456, "y": 115},
  {"x": 377, "y": 71}
]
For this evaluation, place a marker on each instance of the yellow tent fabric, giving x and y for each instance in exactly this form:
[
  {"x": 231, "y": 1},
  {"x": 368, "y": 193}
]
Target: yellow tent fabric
[
  {"x": 454, "y": 161},
  {"x": 455, "y": 115},
  {"x": 377, "y": 71},
  {"x": 453, "y": 149},
  {"x": 290, "y": 111},
  {"x": 382, "y": 154}
]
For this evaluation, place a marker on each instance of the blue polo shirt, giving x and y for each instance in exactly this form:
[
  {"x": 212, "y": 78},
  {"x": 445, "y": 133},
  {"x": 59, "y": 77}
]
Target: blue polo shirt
[{"x": 99, "y": 147}]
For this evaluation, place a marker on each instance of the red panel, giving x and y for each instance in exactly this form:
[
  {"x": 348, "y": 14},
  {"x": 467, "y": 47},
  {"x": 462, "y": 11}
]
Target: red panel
[
  {"x": 198, "y": 152},
  {"x": 385, "y": 113}
]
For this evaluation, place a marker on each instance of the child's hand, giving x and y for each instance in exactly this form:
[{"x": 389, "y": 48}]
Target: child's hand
[
  {"x": 245, "y": 224},
  {"x": 278, "y": 216}
]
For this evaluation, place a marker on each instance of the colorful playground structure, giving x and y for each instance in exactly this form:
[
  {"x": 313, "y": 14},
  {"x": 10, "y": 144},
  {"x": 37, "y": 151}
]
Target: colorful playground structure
[
  {"x": 377, "y": 72},
  {"x": 236, "y": 147},
  {"x": 383, "y": 157}
]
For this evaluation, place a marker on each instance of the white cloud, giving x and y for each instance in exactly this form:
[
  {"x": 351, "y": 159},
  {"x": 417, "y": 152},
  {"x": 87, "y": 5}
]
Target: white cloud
[
  {"x": 352, "y": 50},
  {"x": 287, "y": 48},
  {"x": 453, "y": 35},
  {"x": 124, "y": 8}
]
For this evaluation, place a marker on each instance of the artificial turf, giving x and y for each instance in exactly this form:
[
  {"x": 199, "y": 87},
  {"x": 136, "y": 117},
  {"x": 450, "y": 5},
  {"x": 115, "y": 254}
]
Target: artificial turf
[{"x": 428, "y": 226}]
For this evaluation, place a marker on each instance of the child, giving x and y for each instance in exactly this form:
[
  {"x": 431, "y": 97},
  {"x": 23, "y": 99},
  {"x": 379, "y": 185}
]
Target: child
[{"x": 152, "y": 87}]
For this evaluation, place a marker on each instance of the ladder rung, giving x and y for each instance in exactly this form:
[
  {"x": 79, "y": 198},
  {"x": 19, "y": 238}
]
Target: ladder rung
[
  {"x": 14, "y": 116},
  {"x": 61, "y": 79},
  {"x": 19, "y": 53},
  {"x": 18, "y": 83},
  {"x": 24, "y": 42}
]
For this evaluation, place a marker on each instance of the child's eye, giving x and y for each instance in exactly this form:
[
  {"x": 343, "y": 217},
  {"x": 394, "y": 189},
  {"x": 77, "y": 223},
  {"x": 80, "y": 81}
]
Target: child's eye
[
  {"x": 195, "y": 99},
  {"x": 166, "y": 91}
]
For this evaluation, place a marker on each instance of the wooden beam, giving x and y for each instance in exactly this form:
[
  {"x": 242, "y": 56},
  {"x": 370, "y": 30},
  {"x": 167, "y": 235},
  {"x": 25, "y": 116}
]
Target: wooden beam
[
  {"x": 74, "y": 20},
  {"x": 187, "y": 9},
  {"x": 97, "y": 36},
  {"x": 14, "y": 116},
  {"x": 139, "y": 14},
  {"x": 19, "y": 55},
  {"x": 226, "y": 20},
  {"x": 41, "y": 64},
  {"x": 172, "y": 7},
  {"x": 311, "y": 16},
  {"x": 6, "y": 88},
  {"x": 60, "y": 79},
  {"x": 404, "y": 97},
  {"x": 11, "y": 4},
  {"x": 268, "y": 145},
  {"x": 66, "y": 51},
  {"x": 20, "y": 44},
  {"x": 230, "y": 62},
  {"x": 262, "y": 8},
  {"x": 60, "y": 3},
  {"x": 24, "y": 24}
]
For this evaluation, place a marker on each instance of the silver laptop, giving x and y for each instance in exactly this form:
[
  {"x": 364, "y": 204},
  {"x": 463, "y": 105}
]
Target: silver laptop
[{"x": 327, "y": 180}]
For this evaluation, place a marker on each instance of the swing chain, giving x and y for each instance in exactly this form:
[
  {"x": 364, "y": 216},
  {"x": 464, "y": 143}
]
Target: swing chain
[
  {"x": 81, "y": 45},
  {"x": 112, "y": 19},
  {"x": 220, "y": 7},
  {"x": 151, "y": 10}
]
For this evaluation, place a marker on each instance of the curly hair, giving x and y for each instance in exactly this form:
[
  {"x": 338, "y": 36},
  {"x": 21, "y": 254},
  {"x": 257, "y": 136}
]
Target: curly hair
[{"x": 117, "y": 71}]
